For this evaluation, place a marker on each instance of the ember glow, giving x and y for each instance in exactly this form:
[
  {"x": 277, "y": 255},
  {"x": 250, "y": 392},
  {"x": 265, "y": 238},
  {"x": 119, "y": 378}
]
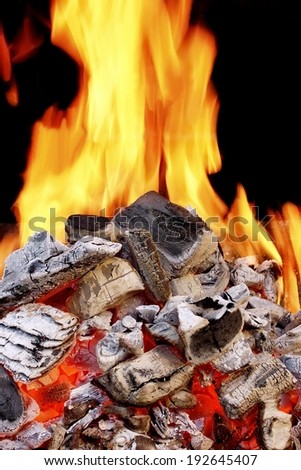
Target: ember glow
[{"x": 144, "y": 119}]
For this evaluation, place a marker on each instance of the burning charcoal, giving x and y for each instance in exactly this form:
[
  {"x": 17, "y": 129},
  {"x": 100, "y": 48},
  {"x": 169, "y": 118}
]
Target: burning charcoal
[
  {"x": 275, "y": 427},
  {"x": 58, "y": 433},
  {"x": 221, "y": 431},
  {"x": 129, "y": 305},
  {"x": 104, "y": 287},
  {"x": 125, "y": 339},
  {"x": 244, "y": 272},
  {"x": 279, "y": 315},
  {"x": 175, "y": 424},
  {"x": 188, "y": 285},
  {"x": 12, "y": 444},
  {"x": 205, "y": 340},
  {"x": 78, "y": 441},
  {"x": 184, "y": 242},
  {"x": 293, "y": 364},
  {"x": 263, "y": 380},
  {"x": 271, "y": 271},
  {"x": 88, "y": 327},
  {"x": 44, "y": 264},
  {"x": 238, "y": 294},
  {"x": 215, "y": 280},
  {"x": 34, "y": 338},
  {"x": 146, "y": 258},
  {"x": 256, "y": 317},
  {"x": 80, "y": 225},
  {"x": 139, "y": 423},
  {"x": 236, "y": 357},
  {"x": 125, "y": 439},
  {"x": 81, "y": 400},
  {"x": 295, "y": 320},
  {"x": 213, "y": 308},
  {"x": 166, "y": 332},
  {"x": 147, "y": 378},
  {"x": 11, "y": 400},
  {"x": 86, "y": 420},
  {"x": 144, "y": 443},
  {"x": 169, "y": 313},
  {"x": 182, "y": 399},
  {"x": 9, "y": 426},
  {"x": 115, "y": 436},
  {"x": 263, "y": 341},
  {"x": 289, "y": 343},
  {"x": 148, "y": 312},
  {"x": 34, "y": 435}
]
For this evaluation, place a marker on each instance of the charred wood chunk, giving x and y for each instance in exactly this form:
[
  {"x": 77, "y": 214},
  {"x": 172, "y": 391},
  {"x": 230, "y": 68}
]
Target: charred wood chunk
[
  {"x": 124, "y": 340},
  {"x": 188, "y": 285},
  {"x": 45, "y": 264},
  {"x": 207, "y": 341},
  {"x": 289, "y": 343},
  {"x": 279, "y": 315},
  {"x": 213, "y": 308},
  {"x": 11, "y": 401},
  {"x": 244, "y": 271},
  {"x": 173, "y": 425},
  {"x": 165, "y": 332},
  {"x": 293, "y": 364},
  {"x": 81, "y": 400},
  {"x": 130, "y": 304},
  {"x": 88, "y": 328},
  {"x": 104, "y": 287},
  {"x": 275, "y": 427},
  {"x": 238, "y": 294},
  {"x": 146, "y": 258},
  {"x": 271, "y": 271},
  {"x": 14, "y": 416},
  {"x": 215, "y": 280},
  {"x": 256, "y": 318},
  {"x": 147, "y": 378},
  {"x": 183, "y": 240},
  {"x": 147, "y": 313},
  {"x": 264, "y": 380},
  {"x": 34, "y": 338},
  {"x": 34, "y": 435},
  {"x": 58, "y": 433},
  {"x": 81, "y": 225},
  {"x": 182, "y": 399},
  {"x": 236, "y": 357}
]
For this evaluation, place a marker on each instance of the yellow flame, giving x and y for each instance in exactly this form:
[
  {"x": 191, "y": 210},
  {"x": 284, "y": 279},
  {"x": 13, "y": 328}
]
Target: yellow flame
[
  {"x": 144, "y": 104},
  {"x": 144, "y": 119},
  {"x": 281, "y": 231},
  {"x": 248, "y": 236}
]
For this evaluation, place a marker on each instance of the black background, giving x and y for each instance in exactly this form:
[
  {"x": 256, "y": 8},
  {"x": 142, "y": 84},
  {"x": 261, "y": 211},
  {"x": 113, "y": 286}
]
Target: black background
[{"x": 256, "y": 75}]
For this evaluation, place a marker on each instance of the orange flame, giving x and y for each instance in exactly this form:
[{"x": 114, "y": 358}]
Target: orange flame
[
  {"x": 145, "y": 104},
  {"x": 144, "y": 119}
]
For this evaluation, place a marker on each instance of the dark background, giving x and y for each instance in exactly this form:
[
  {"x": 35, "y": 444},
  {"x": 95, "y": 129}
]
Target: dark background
[{"x": 256, "y": 76}]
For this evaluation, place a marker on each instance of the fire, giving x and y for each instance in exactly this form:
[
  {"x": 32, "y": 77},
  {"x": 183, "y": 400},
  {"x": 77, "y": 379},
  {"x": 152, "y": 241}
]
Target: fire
[{"x": 144, "y": 119}]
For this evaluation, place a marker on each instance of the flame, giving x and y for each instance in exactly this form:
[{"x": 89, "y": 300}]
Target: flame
[
  {"x": 5, "y": 62},
  {"x": 286, "y": 230},
  {"x": 145, "y": 105},
  {"x": 248, "y": 235},
  {"x": 144, "y": 119}
]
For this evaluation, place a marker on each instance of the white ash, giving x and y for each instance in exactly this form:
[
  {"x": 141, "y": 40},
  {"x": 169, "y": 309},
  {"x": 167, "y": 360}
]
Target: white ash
[
  {"x": 148, "y": 312},
  {"x": 124, "y": 340},
  {"x": 45, "y": 264},
  {"x": 101, "y": 322},
  {"x": 34, "y": 338},
  {"x": 104, "y": 287}
]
